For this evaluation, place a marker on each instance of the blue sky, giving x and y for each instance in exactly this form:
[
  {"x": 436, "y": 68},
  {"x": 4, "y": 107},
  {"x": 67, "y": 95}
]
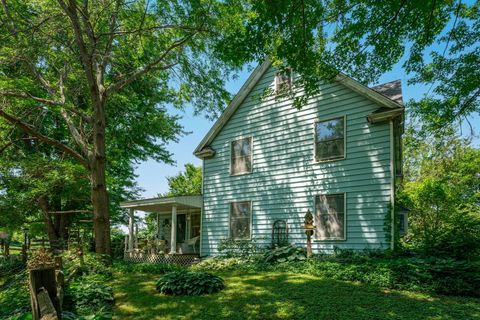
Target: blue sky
[{"x": 152, "y": 175}]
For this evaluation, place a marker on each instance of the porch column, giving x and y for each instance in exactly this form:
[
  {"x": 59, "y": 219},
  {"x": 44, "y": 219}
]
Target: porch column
[
  {"x": 173, "y": 238},
  {"x": 130, "y": 230}
]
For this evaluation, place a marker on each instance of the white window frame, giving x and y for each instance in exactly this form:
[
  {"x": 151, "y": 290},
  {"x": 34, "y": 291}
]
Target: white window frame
[
  {"x": 230, "y": 206},
  {"x": 231, "y": 153},
  {"x": 277, "y": 84},
  {"x": 344, "y": 215},
  {"x": 403, "y": 218},
  {"x": 315, "y": 159}
]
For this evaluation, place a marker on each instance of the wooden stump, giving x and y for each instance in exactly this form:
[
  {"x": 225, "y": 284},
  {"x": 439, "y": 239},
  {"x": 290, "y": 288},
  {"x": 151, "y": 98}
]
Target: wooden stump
[
  {"x": 43, "y": 280},
  {"x": 47, "y": 310}
]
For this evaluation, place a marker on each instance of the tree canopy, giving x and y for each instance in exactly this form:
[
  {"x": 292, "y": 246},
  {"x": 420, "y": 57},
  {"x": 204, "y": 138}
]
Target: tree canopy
[
  {"x": 436, "y": 42},
  {"x": 94, "y": 79},
  {"x": 442, "y": 191},
  {"x": 186, "y": 183}
]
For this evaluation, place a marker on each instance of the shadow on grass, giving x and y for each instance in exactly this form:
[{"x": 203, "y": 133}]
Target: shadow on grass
[{"x": 285, "y": 296}]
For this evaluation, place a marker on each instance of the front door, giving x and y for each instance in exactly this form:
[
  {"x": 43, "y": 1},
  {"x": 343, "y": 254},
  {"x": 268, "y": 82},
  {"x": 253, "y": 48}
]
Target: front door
[{"x": 181, "y": 227}]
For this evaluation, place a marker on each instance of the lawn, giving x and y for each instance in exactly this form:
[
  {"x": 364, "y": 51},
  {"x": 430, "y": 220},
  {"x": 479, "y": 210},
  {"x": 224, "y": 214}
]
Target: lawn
[{"x": 274, "y": 295}]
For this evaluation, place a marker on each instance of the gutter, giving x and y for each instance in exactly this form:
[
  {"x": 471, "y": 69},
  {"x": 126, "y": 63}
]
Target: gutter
[{"x": 392, "y": 186}]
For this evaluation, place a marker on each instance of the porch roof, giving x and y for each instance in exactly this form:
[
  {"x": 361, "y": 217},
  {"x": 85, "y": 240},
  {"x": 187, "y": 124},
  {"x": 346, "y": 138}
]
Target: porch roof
[{"x": 164, "y": 203}]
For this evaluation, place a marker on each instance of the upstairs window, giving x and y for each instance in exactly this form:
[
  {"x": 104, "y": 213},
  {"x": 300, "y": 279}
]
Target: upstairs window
[
  {"x": 241, "y": 156},
  {"x": 329, "y": 217},
  {"x": 283, "y": 81},
  {"x": 240, "y": 218},
  {"x": 330, "y": 139}
]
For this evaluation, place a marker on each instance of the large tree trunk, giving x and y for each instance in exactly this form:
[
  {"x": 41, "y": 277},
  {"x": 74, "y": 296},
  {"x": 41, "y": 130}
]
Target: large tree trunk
[
  {"x": 47, "y": 219},
  {"x": 101, "y": 216}
]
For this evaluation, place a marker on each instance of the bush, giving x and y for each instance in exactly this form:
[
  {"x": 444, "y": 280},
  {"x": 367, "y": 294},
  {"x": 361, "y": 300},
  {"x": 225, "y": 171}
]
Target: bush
[
  {"x": 150, "y": 268},
  {"x": 8, "y": 266},
  {"x": 91, "y": 264},
  {"x": 443, "y": 276},
  {"x": 228, "y": 264},
  {"x": 284, "y": 254},
  {"x": 189, "y": 283},
  {"x": 437, "y": 275},
  {"x": 14, "y": 296},
  {"x": 88, "y": 295},
  {"x": 231, "y": 248}
]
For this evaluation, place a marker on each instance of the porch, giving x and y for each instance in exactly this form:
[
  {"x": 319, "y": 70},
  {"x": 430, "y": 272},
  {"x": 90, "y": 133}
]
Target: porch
[{"x": 177, "y": 230}]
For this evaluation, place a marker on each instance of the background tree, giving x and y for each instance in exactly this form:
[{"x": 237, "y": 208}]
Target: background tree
[
  {"x": 186, "y": 183},
  {"x": 80, "y": 61},
  {"x": 436, "y": 42},
  {"x": 442, "y": 190}
]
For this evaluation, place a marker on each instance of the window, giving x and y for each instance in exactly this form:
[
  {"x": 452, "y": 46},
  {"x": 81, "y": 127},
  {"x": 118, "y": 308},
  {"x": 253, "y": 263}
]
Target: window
[
  {"x": 195, "y": 225},
  {"x": 283, "y": 81},
  {"x": 330, "y": 139},
  {"x": 240, "y": 215},
  {"x": 397, "y": 134},
  {"x": 241, "y": 156},
  {"x": 403, "y": 222},
  {"x": 329, "y": 217}
]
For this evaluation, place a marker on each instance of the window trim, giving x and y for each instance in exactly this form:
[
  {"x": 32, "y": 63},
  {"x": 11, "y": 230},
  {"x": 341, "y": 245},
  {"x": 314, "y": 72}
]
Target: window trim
[
  {"x": 315, "y": 159},
  {"x": 344, "y": 216},
  {"x": 276, "y": 90},
  {"x": 230, "y": 205},
  {"x": 251, "y": 157}
]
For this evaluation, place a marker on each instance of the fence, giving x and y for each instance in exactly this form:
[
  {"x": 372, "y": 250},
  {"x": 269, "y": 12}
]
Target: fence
[{"x": 179, "y": 259}]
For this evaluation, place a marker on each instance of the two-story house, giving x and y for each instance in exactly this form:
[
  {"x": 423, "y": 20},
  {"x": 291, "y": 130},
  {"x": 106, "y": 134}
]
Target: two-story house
[
  {"x": 338, "y": 157},
  {"x": 264, "y": 161}
]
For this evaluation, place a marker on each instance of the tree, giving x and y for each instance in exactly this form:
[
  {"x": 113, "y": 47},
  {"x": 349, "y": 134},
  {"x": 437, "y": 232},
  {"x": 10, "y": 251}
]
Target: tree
[
  {"x": 442, "y": 190},
  {"x": 80, "y": 61},
  {"x": 186, "y": 183},
  {"x": 437, "y": 42}
]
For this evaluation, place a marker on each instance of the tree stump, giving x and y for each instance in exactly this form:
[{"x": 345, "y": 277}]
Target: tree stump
[
  {"x": 43, "y": 279},
  {"x": 45, "y": 304}
]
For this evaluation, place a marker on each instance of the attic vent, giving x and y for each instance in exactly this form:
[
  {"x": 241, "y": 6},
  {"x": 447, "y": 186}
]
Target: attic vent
[{"x": 283, "y": 81}]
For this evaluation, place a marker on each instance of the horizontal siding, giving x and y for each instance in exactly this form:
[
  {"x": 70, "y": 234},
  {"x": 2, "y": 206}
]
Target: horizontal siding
[{"x": 285, "y": 177}]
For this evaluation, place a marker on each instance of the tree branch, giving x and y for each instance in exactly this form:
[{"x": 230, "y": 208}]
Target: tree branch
[
  {"x": 71, "y": 11},
  {"x": 25, "y": 95},
  {"x": 467, "y": 103},
  {"x": 27, "y": 128},
  {"x": 147, "y": 68},
  {"x": 77, "y": 137}
]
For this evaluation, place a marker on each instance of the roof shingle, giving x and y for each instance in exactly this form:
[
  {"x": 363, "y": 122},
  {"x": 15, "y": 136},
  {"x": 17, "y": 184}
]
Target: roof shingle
[{"x": 391, "y": 90}]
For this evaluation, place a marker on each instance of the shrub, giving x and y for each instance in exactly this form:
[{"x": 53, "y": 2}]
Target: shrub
[
  {"x": 189, "y": 283},
  {"x": 8, "y": 266},
  {"x": 228, "y": 264},
  {"x": 231, "y": 248},
  {"x": 150, "y": 268},
  {"x": 88, "y": 295},
  {"x": 438, "y": 275},
  {"x": 284, "y": 254},
  {"x": 90, "y": 265},
  {"x": 14, "y": 296}
]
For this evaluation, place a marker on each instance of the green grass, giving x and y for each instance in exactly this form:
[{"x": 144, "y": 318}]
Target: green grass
[{"x": 275, "y": 295}]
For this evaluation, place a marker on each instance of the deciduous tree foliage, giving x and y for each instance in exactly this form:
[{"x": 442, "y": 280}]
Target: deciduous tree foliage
[
  {"x": 442, "y": 190},
  {"x": 436, "y": 42},
  {"x": 80, "y": 61},
  {"x": 186, "y": 183},
  {"x": 103, "y": 67}
]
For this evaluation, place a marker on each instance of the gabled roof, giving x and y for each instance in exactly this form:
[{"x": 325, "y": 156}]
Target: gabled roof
[
  {"x": 392, "y": 90},
  {"x": 387, "y": 95}
]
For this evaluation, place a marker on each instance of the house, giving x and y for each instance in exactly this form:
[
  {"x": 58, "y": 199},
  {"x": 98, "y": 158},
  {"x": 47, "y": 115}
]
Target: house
[{"x": 265, "y": 161}]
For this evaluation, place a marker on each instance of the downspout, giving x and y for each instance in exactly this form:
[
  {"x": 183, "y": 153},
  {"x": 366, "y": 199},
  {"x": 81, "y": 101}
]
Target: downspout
[
  {"x": 202, "y": 209},
  {"x": 392, "y": 186}
]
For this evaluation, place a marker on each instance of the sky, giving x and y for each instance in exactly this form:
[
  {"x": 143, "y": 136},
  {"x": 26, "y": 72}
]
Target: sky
[{"x": 152, "y": 175}]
